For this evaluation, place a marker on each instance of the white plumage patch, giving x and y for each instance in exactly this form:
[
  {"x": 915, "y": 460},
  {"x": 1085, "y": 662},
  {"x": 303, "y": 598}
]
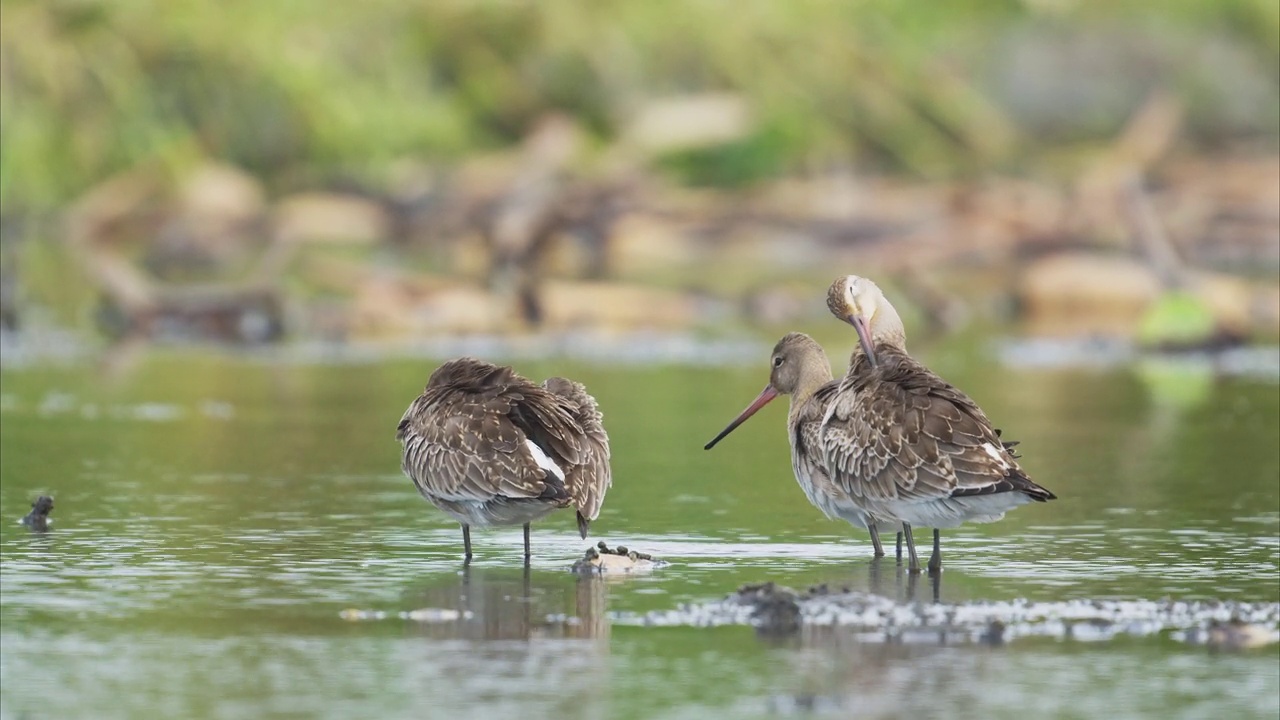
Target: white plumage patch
[
  {"x": 541, "y": 459},
  {"x": 995, "y": 455}
]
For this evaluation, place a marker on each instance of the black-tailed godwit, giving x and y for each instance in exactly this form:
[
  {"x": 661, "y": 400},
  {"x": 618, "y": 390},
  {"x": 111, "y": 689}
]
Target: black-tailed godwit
[
  {"x": 907, "y": 444},
  {"x": 489, "y": 447},
  {"x": 800, "y": 369}
]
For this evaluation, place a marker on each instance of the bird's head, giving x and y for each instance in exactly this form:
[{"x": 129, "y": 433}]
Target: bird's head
[{"x": 859, "y": 302}]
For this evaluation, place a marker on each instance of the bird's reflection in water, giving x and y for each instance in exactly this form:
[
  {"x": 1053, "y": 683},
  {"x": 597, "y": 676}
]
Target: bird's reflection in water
[
  {"x": 499, "y": 604},
  {"x": 836, "y": 671},
  {"x": 517, "y": 640},
  {"x": 903, "y": 586},
  {"x": 841, "y": 670}
]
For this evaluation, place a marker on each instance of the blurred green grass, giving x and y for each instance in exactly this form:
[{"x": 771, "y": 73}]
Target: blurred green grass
[{"x": 298, "y": 91}]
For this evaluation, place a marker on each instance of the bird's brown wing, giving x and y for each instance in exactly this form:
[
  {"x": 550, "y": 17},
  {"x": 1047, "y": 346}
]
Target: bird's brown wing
[
  {"x": 470, "y": 446},
  {"x": 547, "y": 420},
  {"x": 900, "y": 432},
  {"x": 590, "y": 477}
]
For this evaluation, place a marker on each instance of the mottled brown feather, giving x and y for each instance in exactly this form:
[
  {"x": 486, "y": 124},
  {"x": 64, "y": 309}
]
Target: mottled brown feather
[
  {"x": 464, "y": 440},
  {"x": 590, "y": 477},
  {"x": 897, "y": 431}
]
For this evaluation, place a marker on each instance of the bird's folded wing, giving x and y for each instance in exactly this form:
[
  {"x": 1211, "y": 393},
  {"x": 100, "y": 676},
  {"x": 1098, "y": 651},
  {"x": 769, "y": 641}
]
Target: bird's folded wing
[
  {"x": 590, "y": 477},
  {"x": 469, "y": 451},
  {"x": 911, "y": 437}
]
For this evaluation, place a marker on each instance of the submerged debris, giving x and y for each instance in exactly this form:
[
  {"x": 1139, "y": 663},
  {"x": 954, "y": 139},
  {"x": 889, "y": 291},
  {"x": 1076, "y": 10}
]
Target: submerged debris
[
  {"x": 38, "y": 518},
  {"x": 358, "y": 615},
  {"x": 823, "y": 614},
  {"x": 600, "y": 560},
  {"x": 430, "y": 615},
  {"x": 422, "y": 615},
  {"x": 776, "y": 609},
  {"x": 1232, "y": 635}
]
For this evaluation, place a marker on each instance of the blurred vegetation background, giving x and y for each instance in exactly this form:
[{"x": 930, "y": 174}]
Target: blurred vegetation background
[
  {"x": 298, "y": 90},
  {"x": 311, "y": 94}
]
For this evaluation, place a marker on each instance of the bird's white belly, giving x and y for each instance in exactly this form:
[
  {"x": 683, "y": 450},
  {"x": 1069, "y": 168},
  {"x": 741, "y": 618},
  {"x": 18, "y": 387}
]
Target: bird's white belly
[
  {"x": 952, "y": 512},
  {"x": 499, "y": 511},
  {"x": 833, "y": 503}
]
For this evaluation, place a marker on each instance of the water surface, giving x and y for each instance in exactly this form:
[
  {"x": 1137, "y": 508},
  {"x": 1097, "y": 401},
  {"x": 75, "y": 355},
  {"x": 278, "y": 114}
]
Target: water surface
[{"x": 215, "y": 515}]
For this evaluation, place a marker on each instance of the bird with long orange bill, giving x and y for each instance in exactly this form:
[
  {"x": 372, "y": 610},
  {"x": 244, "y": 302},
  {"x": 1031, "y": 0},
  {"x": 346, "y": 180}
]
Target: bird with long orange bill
[
  {"x": 906, "y": 444},
  {"x": 799, "y": 368}
]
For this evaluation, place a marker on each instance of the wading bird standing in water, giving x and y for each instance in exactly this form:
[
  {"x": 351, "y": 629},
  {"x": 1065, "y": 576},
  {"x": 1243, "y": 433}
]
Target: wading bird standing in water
[
  {"x": 489, "y": 447},
  {"x": 906, "y": 443},
  {"x": 800, "y": 369}
]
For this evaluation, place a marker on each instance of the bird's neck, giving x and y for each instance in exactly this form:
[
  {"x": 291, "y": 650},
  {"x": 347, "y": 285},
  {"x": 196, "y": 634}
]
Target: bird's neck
[
  {"x": 813, "y": 378},
  {"x": 887, "y": 328}
]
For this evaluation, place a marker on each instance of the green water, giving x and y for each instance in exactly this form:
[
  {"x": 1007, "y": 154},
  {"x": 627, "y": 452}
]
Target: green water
[{"x": 216, "y": 514}]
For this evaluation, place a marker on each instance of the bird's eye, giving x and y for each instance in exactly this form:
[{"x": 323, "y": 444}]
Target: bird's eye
[{"x": 777, "y": 362}]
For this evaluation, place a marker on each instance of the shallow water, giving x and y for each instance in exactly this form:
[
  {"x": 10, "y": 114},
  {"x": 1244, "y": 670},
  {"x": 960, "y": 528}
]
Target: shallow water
[{"x": 216, "y": 515}]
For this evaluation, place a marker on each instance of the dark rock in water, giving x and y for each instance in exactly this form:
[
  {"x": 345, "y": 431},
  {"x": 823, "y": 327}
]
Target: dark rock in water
[
  {"x": 993, "y": 635},
  {"x": 775, "y": 611},
  {"x": 38, "y": 518}
]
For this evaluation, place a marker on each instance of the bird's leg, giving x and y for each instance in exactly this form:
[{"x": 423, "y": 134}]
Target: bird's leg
[
  {"x": 875, "y": 539},
  {"x": 935, "y": 560},
  {"x": 526, "y": 544},
  {"x": 913, "y": 562},
  {"x": 466, "y": 543},
  {"x": 899, "y": 547},
  {"x": 935, "y": 580}
]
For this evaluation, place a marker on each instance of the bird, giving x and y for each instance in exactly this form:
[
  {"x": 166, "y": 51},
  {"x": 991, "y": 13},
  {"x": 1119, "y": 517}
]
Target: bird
[
  {"x": 906, "y": 444},
  {"x": 800, "y": 369},
  {"x": 490, "y": 447},
  {"x": 38, "y": 518}
]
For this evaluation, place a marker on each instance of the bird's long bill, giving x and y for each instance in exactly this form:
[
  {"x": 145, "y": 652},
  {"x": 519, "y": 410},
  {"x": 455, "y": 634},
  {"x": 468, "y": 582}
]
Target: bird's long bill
[
  {"x": 859, "y": 324},
  {"x": 763, "y": 399}
]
